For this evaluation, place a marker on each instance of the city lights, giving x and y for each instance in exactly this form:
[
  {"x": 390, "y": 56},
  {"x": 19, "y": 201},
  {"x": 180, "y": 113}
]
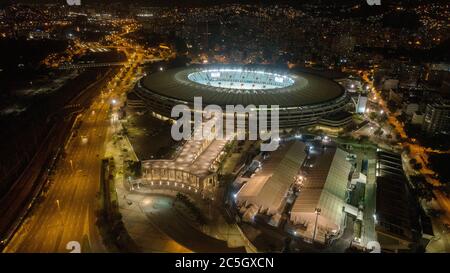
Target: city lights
[{"x": 183, "y": 127}]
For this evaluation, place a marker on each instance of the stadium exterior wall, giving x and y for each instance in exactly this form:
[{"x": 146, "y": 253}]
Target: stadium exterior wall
[{"x": 289, "y": 117}]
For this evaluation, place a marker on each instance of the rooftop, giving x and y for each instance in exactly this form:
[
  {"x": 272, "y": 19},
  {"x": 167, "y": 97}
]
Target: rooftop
[
  {"x": 305, "y": 89},
  {"x": 396, "y": 212},
  {"x": 268, "y": 187},
  {"x": 325, "y": 185}
]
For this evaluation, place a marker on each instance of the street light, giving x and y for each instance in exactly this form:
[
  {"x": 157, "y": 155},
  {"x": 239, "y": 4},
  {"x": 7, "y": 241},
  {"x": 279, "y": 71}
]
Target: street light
[
  {"x": 299, "y": 179},
  {"x": 317, "y": 212}
]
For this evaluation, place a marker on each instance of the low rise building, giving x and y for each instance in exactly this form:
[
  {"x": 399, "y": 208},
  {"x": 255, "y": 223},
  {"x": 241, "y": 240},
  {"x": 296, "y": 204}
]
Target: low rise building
[
  {"x": 417, "y": 118},
  {"x": 319, "y": 207},
  {"x": 390, "y": 84},
  {"x": 411, "y": 108},
  {"x": 437, "y": 118},
  {"x": 396, "y": 215},
  {"x": 193, "y": 170},
  {"x": 266, "y": 190}
]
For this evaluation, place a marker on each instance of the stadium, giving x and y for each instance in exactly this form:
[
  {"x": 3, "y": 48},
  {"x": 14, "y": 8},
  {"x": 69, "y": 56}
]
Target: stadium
[{"x": 303, "y": 99}]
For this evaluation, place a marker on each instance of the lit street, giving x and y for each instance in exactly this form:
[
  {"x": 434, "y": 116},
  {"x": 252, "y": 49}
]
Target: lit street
[{"x": 164, "y": 130}]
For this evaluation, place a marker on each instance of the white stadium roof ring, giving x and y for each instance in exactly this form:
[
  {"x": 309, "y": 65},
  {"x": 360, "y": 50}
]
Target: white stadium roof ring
[
  {"x": 302, "y": 98},
  {"x": 242, "y": 85}
]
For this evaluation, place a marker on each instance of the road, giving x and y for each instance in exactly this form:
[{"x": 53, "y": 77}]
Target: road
[
  {"x": 67, "y": 212},
  {"x": 15, "y": 204},
  {"x": 417, "y": 152},
  {"x": 68, "y": 208}
]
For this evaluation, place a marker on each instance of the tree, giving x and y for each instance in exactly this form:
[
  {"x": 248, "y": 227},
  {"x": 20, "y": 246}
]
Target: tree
[
  {"x": 402, "y": 117},
  {"x": 439, "y": 164},
  {"x": 392, "y": 105},
  {"x": 407, "y": 150},
  {"x": 445, "y": 189},
  {"x": 133, "y": 168},
  {"x": 378, "y": 132},
  {"x": 424, "y": 190},
  {"x": 363, "y": 139},
  {"x": 435, "y": 213},
  {"x": 417, "y": 166}
]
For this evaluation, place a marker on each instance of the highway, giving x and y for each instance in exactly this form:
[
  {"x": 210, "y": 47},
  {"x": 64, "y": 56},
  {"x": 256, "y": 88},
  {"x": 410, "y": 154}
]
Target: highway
[
  {"x": 67, "y": 208},
  {"x": 14, "y": 205},
  {"x": 67, "y": 212}
]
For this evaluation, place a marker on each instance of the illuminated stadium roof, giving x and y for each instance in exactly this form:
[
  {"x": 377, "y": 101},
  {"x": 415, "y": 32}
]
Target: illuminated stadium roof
[{"x": 232, "y": 85}]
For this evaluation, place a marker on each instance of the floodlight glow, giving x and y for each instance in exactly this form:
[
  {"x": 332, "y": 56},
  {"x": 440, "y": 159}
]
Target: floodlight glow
[
  {"x": 240, "y": 79},
  {"x": 278, "y": 79}
]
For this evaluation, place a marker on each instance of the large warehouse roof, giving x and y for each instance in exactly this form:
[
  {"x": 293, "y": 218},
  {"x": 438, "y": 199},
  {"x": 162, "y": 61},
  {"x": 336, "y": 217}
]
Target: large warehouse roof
[
  {"x": 268, "y": 187},
  {"x": 396, "y": 210},
  {"x": 307, "y": 89},
  {"x": 325, "y": 187}
]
